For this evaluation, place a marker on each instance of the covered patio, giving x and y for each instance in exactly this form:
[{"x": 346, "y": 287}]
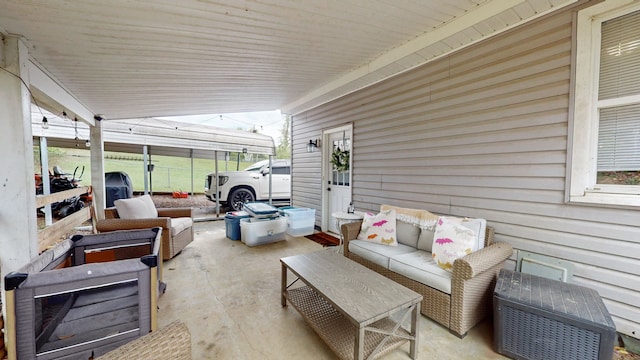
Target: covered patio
[
  {"x": 233, "y": 306},
  {"x": 465, "y": 108}
]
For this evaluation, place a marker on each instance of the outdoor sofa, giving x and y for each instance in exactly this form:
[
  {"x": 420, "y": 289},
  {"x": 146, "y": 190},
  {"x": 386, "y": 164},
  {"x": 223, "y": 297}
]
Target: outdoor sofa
[{"x": 457, "y": 299}]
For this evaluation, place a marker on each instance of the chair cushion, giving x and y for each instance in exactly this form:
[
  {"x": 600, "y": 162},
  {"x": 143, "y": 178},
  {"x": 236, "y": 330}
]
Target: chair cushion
[
  {"x": 420, "y": 266},
  {"x": 377, "y": 253},
  {"x": 380, "y": 228},
  {"x": 180, "y": 224},
  {"x": 141, "y": 207}
]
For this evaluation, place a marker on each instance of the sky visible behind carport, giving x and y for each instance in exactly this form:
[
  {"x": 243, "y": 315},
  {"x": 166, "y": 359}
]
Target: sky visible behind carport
[{"x": 265, "y": 122}]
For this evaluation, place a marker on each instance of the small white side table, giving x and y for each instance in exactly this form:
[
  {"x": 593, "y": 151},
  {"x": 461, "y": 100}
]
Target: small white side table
[{"x": 343, "y": 217}]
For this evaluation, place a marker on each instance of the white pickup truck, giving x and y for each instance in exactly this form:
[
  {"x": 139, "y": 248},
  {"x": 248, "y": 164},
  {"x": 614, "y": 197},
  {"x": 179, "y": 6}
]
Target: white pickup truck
[{"x": 251, "y": 184}]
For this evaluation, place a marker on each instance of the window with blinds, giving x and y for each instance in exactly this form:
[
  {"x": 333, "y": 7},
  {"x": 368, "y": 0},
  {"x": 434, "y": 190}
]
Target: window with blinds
[{"x": 618, "y": 102}]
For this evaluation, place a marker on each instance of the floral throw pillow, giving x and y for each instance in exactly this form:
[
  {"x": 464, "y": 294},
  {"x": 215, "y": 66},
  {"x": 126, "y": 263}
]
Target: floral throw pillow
[
  {"x": 451, "y": 241},
  {"x": 380, "y": 228}
]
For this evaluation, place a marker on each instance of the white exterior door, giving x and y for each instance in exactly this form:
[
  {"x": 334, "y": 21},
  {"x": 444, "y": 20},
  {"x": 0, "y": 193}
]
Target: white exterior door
[{"x": 337, "y": 177}]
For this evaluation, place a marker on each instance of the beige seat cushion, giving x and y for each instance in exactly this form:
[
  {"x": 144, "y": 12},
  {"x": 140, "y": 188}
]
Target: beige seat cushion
[
  {"x": 377, "y": 253},
  {"x": 420, "y": 266},
  {"x": 180, "y": 224}
]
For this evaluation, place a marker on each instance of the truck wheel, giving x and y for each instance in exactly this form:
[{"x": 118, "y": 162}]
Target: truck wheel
[{"x": 239, "y": 197}]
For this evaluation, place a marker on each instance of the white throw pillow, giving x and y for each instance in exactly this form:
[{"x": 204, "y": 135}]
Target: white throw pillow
[
  {"x": 379, "y": 228},
  {"x": 141, "y": 207},
  {"x": 452, "y": 240}
]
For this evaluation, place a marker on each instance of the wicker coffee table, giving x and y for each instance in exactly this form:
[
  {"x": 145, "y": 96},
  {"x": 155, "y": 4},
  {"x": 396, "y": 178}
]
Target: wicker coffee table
[{"x": 349, "y": 306}]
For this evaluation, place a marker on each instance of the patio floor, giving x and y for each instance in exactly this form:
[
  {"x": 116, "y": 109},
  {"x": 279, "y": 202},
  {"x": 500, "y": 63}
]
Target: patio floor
[{"x": 228, "y": 295}]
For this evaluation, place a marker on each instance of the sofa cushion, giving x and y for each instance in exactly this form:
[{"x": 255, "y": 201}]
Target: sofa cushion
[
  {"x": 380, "y": 228},
  {"x": 378, "y": 253},
  {"x": 141, "y": 207},
  {"x": 425, "y": 240},
  {"x": 180, "y": 224},
  {"x": 420, "y": 266},
  {"x": 407, "y": 233},
  {"x": 455, "y": 238}
]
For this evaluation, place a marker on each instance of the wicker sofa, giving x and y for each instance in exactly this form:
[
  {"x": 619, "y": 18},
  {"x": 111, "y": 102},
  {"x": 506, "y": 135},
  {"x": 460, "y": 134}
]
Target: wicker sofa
[
  {"x": 472, "y": 278},
  {"x": 176, "y": 224}
]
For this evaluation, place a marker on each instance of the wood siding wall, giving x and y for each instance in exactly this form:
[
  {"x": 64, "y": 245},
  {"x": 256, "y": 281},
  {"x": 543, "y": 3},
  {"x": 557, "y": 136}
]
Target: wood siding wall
[{"x": 484, "y": 133}]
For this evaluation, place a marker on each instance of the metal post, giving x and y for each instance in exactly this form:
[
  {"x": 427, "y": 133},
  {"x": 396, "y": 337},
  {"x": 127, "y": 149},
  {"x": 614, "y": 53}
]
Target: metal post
[
  {"x": 270, "y": 178},
  {"x": 44, "y": 170},
  {"x": 145, "y": 162},
  {"x": 216, "y": 181},
  {"x": 150, "y": 171},
  {"x": 191, "y": 155}
]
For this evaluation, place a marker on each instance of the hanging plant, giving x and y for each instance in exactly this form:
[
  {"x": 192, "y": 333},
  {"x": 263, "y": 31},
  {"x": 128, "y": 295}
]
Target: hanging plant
[{"x": 340, "y": 159}]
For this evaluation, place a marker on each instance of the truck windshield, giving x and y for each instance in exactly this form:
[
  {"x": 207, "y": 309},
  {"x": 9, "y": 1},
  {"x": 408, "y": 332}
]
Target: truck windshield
[{"x": 257, "y": 166}]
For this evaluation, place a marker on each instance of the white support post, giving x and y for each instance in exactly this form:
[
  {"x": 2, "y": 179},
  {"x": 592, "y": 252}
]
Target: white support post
[
  {"x": 19, "y": 235},
  {"x": 46, "y": 185},
  {"x": 215, "y": 180},
  {"x": 145, "y": 161},
  {"x": 192, "y": 165},
  {"x": 270, "y": 179},
  {"x": 97, "y": 169}
]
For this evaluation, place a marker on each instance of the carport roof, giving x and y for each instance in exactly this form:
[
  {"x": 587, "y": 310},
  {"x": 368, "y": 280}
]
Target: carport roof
[{"x": 163, "y": 137}]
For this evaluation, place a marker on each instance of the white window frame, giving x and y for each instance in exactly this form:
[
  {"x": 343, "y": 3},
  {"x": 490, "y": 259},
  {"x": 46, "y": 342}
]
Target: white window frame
[{"x": 583, "y": 124}]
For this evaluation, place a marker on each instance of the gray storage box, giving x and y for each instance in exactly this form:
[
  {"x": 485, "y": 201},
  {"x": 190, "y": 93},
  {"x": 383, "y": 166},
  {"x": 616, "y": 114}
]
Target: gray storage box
[{"x": 540, "y": 318}]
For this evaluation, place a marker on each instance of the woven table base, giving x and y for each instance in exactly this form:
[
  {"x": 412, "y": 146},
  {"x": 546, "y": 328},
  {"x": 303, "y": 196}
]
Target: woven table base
[
  {"x": 336, "y": 330},
  {"x": 172, "y": 342}
]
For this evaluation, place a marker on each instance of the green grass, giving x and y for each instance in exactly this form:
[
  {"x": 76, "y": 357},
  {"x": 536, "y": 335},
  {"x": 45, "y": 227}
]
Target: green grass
[{"x": 169, "y": 174}]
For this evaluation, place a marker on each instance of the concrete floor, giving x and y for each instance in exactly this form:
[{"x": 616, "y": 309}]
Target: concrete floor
[{"x": 228, "y": 295}]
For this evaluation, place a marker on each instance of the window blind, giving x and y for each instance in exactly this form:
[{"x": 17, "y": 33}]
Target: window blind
[
  {"x": 619, "y": 139},
  {"x": 619, "y": 126}
]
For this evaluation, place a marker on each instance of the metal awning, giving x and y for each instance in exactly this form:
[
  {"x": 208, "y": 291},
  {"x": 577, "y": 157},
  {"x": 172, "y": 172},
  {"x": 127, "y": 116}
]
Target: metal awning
[{"x": 162, "y": 137}]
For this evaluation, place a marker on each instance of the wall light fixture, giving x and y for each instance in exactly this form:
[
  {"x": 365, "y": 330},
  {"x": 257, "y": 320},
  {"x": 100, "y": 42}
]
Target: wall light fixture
[{"x": 313, "y": 145}]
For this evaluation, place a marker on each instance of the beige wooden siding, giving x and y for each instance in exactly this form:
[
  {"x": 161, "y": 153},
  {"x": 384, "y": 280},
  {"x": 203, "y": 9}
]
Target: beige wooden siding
[{"x": 483, "y": 133}]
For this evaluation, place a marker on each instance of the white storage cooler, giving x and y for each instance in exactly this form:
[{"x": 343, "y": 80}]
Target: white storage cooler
[
  {"x": 256, "y": 231},
  {"x": 300, "y": 221}
]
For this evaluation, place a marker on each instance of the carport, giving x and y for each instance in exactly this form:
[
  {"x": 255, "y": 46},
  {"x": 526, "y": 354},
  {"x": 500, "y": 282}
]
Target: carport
[{"x": 149, "y": 137}]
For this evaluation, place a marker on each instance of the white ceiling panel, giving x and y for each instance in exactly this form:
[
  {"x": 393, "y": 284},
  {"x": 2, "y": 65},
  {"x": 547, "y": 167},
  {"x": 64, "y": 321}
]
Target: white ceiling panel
[
  {"x": 524, "y": 10},
  {"x": 133, "y": 59}
]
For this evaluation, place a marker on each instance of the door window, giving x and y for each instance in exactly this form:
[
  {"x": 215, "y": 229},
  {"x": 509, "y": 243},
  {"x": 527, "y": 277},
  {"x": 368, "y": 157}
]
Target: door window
[{"x": 340, "y": 161}]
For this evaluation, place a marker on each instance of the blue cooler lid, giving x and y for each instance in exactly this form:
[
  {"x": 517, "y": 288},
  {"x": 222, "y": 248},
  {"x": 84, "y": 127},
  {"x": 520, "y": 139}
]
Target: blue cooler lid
[{"x": 260, "y": 209}]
